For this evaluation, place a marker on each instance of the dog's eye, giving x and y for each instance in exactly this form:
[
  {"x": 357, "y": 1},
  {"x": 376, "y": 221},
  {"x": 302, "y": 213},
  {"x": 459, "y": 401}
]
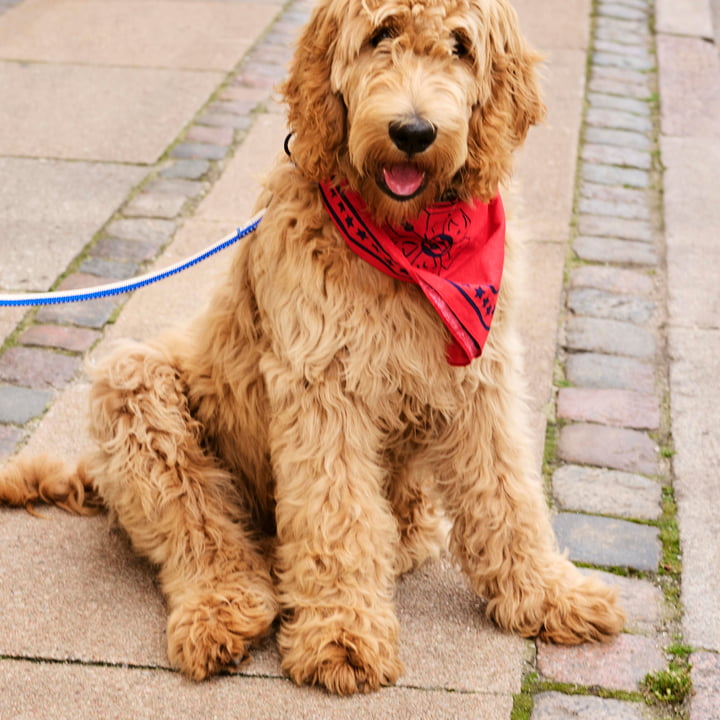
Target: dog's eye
[
  {"x": 462, "y": 45},
  {"x": 383, "y": 33}
]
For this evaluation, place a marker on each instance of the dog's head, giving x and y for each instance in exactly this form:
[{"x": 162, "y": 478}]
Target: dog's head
[{"x": 413, "y": 101}]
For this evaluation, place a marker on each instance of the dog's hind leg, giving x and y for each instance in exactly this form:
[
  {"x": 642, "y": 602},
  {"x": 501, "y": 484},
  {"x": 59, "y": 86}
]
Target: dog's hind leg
[
  {"x": 181, "y": 510},
  {"x": 502, "y": 535}
]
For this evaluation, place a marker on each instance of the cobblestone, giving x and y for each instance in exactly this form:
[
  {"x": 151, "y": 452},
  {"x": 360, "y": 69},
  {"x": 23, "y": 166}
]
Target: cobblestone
[
  {"x": 93, "y": 314},
  {"x": 601, "y": 304},
  {"x": 617, "y": 87},
  {"x": 626, "y": 210},
  {"x": 612, "y": 175},
  {"x": 642, "y": 601},
  {"x": 34, "y": 367},
  {"x": 612, "y": 279},
  {"x": 609, "y": 336},
  {"x": 621, "y": 138},
  {"x": 631, "y": 62},
  {"x": 198, "y": 151},
  {"x": 618, "y": 120},
  {"x": 623, "y": 75},
  {"x": 616, "y": 227},
  {"x": 150, "y": 230},
  {"x": 631, "y": 49},
  {"x": 607, "y": 542},
  {"x": 108, "y": 268},
  {"x": 606, "y": 492},
  {"x": 189, "y": 169},
  {"x": 619, "y": 665},
  {"x": 616, "y": 10},
  {"x": 155, "y": 205},
  {"x": 608, "y": 447},
  {"x": 609, "y": 250},
  {"x": 213, "y": 135},
  {"x": 58, "y": 336},
  {"x": 556, "y": 706},
  {"x": 129, "y": 251},
  {"x": 224, "y": 120},
  {"x": 620, "y": 408},
  {"x": 614, "y": 155},
  {"x": 20, "y": 404},
  {"x": 610, "y": 371},
  {"x": 614, "y": 195}
]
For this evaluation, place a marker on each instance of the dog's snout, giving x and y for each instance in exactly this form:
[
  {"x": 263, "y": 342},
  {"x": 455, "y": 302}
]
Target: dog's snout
[{"x": 413, "y": 136}]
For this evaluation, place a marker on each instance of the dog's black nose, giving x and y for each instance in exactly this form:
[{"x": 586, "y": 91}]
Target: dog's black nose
[{"x": 413, "y": 136}]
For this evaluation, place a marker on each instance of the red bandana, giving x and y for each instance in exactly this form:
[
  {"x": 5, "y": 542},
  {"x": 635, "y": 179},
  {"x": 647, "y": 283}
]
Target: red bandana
[{"x": 453, "y": 251}]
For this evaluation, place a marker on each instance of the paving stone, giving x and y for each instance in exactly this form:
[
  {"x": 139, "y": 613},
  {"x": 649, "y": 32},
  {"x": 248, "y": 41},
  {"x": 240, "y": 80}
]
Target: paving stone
[
  {"x": 190, "y": 169},
  {"x": 90, "y": 314},
  {"x": 612, "y": 175},
  {"x": 619, "y": 88},
  {"x": 618, "y": 665},
  {"x": 635, "y": 49},
  {"x": 610, "y": 59},
  {"x": 643, "y": 603},
  {"x": 212, "y": 135},
  {"x": 609, "y": 406},
  {"x": 73, "y": 339},
  {"x": 614, "y": 155},
  {"x": 705, "y": 673},
  {"x": 155, "y": 205},
  {"x": 606, "y": 492},
  {"x": 614, "y": 195},
  {"x": 638, "y": 27},
  {"x": 556, "y": 706},
  {"x": 9, "y": 438},
  {"x": 104, "y": 268},
  {"x": 618, "y": 120},
  {"x": 629, "y": 211},
  {"x": 601, "y": 304},
  {"x": 623, "y": 75},
  {"x": 199, "y": 151},
  {"x": 609, "y": 336},
  {"x": 35, "y": 367},
  {"x": 177, "y": 186},
  {"x": 19, "y": 404},
  {"x": 610, "y": 371},
  {"x": 616, "y": 227},
  {"x": 617, "y": 10},
  {"x": 252, "y": 97},
  {"x": 608, "y": 447},
  {"x": 236, "y": 122},
  {"x": 109, "y": 248},
  {"x": 621, "y": 138},
  {"x": 610, "y": 250},
  {"x": 150, "y": 230},
  {"x": 620, "y": 36},
  {"x": 617, "y": 280},
  {"x": 607, "y": 542}
]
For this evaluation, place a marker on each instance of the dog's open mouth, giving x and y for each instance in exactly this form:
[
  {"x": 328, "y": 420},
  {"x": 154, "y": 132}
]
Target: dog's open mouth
[{"x": 403, "y": 181}]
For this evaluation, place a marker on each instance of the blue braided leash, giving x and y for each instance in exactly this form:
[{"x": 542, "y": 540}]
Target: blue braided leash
[{"x": 125, "y": 286}]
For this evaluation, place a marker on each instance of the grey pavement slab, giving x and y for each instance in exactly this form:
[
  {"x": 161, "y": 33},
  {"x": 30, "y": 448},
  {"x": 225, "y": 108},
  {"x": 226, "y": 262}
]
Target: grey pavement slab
[
  {"x": 607, "y": 542},
  {"x": 136, "y": 33},
  {"x": 556, "y": 706},
  {"x": 49, "y": 210},
  {"x": 692, "y": 17},
  {"x": 620, "y": 664},
  {"x": 86, "y": 112},
  {"x": 606, "y": 492},
  {"x": 101, "y": 693}
]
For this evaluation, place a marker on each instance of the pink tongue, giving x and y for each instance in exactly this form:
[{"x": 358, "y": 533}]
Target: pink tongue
[{"x": 403, "y": 179}]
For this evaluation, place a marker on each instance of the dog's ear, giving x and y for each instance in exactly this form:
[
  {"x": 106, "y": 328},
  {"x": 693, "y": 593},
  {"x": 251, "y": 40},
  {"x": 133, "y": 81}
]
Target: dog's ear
[
  {"x": 316, "y": 114},
  {"x": 500, "y": 123}
]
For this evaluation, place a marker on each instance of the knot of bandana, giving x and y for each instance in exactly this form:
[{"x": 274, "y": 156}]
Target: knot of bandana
[{"x": 453, "y": 251}]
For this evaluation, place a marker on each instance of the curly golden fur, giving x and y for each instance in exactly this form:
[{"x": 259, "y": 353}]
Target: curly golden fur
[{"x": 293, "y": 450}]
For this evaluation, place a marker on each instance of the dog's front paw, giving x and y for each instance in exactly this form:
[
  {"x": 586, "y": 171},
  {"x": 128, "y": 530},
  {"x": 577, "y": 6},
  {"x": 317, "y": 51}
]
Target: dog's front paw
[
  {"x": 586, "y": 611},
  {"x": 212, "y": 633},
  {"x": 321, "y": 651}
]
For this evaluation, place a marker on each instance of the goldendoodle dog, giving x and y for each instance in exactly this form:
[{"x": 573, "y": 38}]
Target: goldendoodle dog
[{"x": 294, "y": 450}]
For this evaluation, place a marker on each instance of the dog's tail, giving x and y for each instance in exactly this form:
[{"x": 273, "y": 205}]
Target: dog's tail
[{"x": 27, "y": 480}]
